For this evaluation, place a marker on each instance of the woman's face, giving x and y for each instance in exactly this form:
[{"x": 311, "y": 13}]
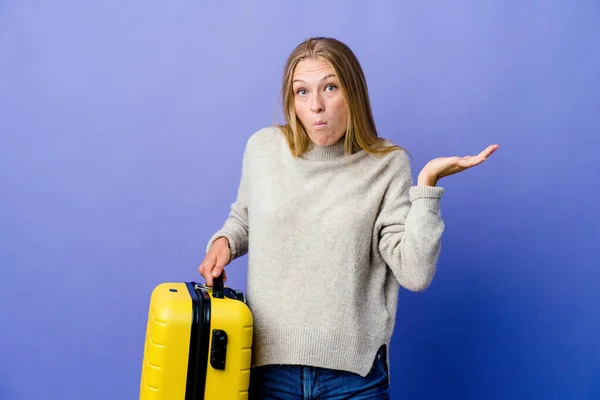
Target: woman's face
[{"x": 319, "y": 102}]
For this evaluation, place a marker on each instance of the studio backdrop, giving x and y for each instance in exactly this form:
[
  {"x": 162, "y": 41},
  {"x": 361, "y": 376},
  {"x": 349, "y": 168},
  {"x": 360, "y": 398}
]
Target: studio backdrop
[{"x": 122, "y": 128}]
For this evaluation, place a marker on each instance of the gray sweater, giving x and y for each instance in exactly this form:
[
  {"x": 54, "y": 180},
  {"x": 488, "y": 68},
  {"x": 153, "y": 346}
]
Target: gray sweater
[{"x": 330, "y": 239}]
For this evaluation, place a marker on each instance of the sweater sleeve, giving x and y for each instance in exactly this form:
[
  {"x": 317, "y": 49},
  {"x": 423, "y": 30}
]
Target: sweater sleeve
[
  {"x": 235, "y": 227},
  {"x": 410, "y": 232}
]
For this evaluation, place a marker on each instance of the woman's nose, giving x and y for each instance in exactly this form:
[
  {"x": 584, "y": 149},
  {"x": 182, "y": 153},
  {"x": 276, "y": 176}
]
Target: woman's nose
[{"x": 317, "y": 105}]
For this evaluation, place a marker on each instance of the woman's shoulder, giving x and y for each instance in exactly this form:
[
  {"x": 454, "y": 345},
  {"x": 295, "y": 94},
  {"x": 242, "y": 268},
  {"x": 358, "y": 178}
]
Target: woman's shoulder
[
  {"x": 267, "y": 136},
  {"x": 263, "y": 141},
  {"x": 398, "y": 156}
]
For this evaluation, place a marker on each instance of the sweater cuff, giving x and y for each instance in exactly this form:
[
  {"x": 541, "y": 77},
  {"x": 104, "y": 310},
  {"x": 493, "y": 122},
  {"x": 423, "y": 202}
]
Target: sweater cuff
[
  {"x": 429, "y": 192},
  {"x": 220, "y": 234},
  {"x": 428, "y": 196}
]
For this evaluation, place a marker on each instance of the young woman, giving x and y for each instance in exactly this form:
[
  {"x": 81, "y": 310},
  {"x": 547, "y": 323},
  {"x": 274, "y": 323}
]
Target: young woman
[{"x": 333, "y": 226}]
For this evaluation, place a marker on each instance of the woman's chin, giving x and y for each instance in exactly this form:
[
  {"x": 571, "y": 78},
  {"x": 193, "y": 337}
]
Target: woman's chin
[{"x": 323, "y": 140}]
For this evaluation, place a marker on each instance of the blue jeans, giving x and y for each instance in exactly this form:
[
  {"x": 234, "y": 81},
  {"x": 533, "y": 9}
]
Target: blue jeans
[{"x": 297, "y": 382}]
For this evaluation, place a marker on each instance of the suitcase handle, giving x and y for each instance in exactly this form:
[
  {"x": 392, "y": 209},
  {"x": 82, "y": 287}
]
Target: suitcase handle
[{"x": 218, "y": 287}]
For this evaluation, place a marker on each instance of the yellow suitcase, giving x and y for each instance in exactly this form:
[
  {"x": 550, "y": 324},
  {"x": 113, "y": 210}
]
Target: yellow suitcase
[{"x": 198, "y": 343}]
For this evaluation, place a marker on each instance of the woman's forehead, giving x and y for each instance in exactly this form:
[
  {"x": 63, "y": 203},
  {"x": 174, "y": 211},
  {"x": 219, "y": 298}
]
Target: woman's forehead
[{"x": 311, "y": 69}]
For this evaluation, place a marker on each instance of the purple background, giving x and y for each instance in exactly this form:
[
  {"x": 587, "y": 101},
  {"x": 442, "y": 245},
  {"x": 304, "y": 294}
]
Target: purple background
[{"x": 122, "y": 126}]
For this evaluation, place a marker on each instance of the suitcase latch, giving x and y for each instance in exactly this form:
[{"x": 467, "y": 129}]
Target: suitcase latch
[{"x": 218, "y": 349}]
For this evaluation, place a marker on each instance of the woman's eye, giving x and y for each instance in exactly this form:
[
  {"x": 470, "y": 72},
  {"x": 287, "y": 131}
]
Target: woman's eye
[
  {"x": 301, "y": 92},
  {"x": 330, "y": 88}
]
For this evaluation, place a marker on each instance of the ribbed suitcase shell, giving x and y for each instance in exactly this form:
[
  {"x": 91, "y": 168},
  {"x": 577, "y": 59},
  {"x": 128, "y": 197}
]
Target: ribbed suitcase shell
[{"x": 182, "y": 320}]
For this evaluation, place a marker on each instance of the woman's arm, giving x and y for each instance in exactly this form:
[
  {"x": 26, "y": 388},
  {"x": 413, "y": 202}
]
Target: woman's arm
[
  {"x": 410, "y": 234},
  {"x": 410, "y": 220},
  {"x": 235, "y": 227}
]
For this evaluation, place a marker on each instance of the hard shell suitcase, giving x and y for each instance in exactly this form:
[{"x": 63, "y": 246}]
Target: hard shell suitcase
[{"x": 198, "y": 343}]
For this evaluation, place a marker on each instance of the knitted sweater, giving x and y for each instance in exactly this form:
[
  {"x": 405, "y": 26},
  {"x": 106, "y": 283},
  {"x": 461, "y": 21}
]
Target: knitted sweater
[{"x": 330, "y": 239}]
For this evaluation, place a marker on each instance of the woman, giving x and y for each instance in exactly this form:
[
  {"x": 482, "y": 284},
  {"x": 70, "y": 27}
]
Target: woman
[{"x": 333, "y": 226}]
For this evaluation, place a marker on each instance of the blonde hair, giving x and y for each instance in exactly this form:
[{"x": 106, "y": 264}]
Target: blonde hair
[{"x": 360, "y": 131}]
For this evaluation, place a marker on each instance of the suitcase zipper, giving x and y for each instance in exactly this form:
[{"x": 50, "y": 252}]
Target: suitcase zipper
[{"x": 199, "y": 340}]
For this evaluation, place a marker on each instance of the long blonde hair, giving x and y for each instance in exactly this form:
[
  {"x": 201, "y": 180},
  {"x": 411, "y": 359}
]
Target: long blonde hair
[{"x": 360, "y": 132}]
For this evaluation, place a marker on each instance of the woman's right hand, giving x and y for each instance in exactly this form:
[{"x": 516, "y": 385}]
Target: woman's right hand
[{"x": 216, "y": 259}]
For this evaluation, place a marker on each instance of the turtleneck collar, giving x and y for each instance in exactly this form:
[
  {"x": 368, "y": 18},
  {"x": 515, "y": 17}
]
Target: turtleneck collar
[{"x": 325, "y": 153}]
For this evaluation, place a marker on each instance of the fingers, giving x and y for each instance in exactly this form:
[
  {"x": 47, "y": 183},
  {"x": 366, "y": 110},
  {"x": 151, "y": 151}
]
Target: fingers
[
  {"x": 470, "y": 162},
  {"x": 218, "y": 269},
  {"x": 481, "y": 157},
  {"x": 488, "y": 151},
  {"x": 211, "y": 268},
  {"x": 206, "y": 268},
  {"x": 446, "y": 166}
]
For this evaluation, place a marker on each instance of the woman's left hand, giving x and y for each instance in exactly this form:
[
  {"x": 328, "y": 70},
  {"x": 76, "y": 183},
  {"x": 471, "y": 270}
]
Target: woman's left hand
[{"x": 437, "y": 168}]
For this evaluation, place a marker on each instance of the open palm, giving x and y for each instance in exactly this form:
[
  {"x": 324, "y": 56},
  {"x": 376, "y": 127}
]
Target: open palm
[{"x": 444, "y": 166}]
